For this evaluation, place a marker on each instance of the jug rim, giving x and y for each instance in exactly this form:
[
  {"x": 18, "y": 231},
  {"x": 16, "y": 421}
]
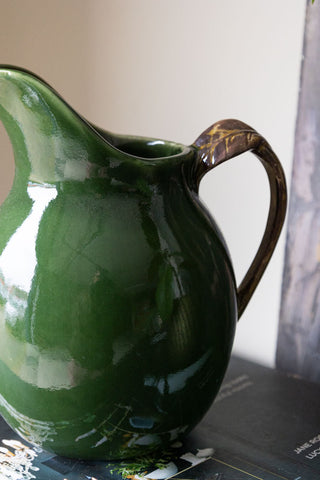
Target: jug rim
[{"x": 183, "y": 150}]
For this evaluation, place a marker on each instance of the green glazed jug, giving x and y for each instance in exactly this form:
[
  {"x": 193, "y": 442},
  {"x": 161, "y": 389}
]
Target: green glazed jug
[{"x": 118, "y": 302}]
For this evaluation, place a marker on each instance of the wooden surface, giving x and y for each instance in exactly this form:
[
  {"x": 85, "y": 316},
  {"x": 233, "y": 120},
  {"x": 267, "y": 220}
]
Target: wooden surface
[{"x": 298, "y": 348}]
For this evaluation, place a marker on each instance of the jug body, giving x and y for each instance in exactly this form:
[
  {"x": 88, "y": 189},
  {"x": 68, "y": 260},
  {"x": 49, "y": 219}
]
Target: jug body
[
  {"x": 118, "y": 302},
  {"x": 116, "y": 329}
]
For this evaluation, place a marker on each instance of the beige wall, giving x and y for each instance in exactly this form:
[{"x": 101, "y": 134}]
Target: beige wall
[{"x": 169, "y": 69}]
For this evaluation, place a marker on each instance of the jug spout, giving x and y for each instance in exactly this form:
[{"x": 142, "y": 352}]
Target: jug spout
[{"x": 51, "y": 142}]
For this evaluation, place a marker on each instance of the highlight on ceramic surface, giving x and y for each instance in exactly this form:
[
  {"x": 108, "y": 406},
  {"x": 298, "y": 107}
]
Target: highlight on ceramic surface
[{"x": 118, "y": 302}]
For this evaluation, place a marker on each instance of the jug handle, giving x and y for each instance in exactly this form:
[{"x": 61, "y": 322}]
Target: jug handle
[{"x": 227, "y": 139}]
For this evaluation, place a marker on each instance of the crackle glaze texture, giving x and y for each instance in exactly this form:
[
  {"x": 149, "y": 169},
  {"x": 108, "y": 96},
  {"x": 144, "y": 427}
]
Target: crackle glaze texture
[{"x": 118, "y": 302}]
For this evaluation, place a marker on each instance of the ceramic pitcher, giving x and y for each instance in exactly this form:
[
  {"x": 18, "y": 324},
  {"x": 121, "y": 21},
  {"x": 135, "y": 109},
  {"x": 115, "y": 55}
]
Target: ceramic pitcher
[{"x": 118, "y": 301}]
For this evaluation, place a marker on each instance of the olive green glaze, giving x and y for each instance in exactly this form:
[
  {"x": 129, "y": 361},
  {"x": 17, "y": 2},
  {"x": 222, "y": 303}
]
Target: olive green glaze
[{"x": 118, "y": 302}]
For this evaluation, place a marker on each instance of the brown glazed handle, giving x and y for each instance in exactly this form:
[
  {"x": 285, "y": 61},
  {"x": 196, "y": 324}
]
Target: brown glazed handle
[{"x": 227, "y": 139}]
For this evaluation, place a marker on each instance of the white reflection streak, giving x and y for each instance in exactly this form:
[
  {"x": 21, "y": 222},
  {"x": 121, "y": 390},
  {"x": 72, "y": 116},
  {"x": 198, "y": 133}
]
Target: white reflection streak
[
  {"x": 18, "y": 260},
  {"x": 17, "y": 464}
]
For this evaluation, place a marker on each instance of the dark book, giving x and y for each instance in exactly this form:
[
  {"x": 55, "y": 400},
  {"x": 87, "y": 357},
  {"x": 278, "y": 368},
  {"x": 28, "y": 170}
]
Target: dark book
[{"x": 264, "y": 425}]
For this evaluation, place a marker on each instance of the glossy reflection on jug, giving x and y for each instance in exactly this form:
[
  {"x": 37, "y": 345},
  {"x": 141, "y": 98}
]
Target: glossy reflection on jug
[{"x": 118, "y": 302}]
